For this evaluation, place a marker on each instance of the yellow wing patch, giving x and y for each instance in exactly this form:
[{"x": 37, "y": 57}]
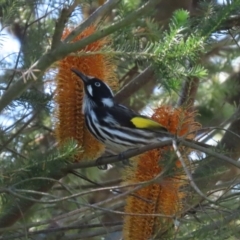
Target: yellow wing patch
[{"x": 141, "y": 122}]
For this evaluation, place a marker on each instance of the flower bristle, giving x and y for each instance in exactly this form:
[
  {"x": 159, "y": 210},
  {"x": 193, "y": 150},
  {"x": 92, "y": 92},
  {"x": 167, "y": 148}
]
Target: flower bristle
[
  {"x": 177, "y": 121},
  {"x": 166, "y": 196},
  {"x": 69, "y": 93}
]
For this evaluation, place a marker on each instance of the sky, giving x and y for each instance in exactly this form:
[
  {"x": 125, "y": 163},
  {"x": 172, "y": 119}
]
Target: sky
[{"x": 8, "y": 45}]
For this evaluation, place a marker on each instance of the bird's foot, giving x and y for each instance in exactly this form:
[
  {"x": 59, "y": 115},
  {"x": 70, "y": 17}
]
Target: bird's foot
[
  {"x": 100, "y": 165},
  {"x": 125, "y": 161},
  {"x": 121, "y": 156}
]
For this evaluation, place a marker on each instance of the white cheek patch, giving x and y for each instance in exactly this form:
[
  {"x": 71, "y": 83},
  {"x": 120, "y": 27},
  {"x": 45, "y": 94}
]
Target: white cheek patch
[
  {"x": 107, "y": 102},
  {"x": 89, "y": 89}
]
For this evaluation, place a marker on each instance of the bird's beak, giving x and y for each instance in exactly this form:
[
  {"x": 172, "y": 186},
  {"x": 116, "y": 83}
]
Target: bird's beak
[{"x": 84, "y": 78}]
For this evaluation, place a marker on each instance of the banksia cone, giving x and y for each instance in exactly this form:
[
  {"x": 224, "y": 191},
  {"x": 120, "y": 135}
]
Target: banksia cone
[
  {"x": 165, "y": 196},
  {"x": 69, "y": 93}
]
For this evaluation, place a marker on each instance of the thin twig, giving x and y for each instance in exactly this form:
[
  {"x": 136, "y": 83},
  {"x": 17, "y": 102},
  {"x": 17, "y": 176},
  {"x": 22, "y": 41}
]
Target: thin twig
[
  {"x": 216, "y": 224},
  {"x": 90, "y": 234},
  {"x": 15, "y": 192},
  {"x": 71, "y": 47},
  {"x": 77, "y": 187},
  {"x": 134, "y": 152},
  {"x": 60, "y": 24},
  {"x": 189, "y": 175},
  {"x": 232, "y": 118},
  {"x": 5, "y": 144},
  {"x": 137, "y": 187},
  {"x": 188, "y": 92},
  {"x": 210, "y": 152},
  {"x": 65, "y": 229},
  {"x": 20, "y": 50},
  {"x": 117, "y": 158},
  {"x": 101, "y": 11},
  {"x": 134, "y": 85}
]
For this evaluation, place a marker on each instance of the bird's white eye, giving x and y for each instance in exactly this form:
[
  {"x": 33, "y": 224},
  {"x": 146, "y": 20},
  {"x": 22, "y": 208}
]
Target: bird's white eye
[{"x": 97, "y": 84}]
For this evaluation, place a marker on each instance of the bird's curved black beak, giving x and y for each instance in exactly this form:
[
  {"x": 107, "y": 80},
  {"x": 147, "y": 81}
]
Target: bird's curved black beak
[{"x": 84, "y": 78}]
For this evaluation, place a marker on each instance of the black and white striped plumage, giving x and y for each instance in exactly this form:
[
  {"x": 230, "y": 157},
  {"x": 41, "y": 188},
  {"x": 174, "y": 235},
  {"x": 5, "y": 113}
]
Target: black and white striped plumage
[{"x": 115, "y": 125}]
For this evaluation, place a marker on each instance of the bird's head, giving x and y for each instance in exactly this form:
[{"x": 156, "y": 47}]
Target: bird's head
[{"x": 96, "y": 90}]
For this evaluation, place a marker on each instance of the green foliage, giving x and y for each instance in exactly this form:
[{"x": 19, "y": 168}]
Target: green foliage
[
  {"x": 35, "y": 174},
  {"x": 201, "y": 44},
  {"x": 170, "y": 49},
  {"x": 130, "y": 4},
  {"x": 36, "y": 99},
  {"x": 7, "y": 12},
  {"x": 215, "y": 16}
]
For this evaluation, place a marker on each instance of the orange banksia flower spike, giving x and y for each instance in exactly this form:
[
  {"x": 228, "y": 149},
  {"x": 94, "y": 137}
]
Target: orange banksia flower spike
[
  {"x": 164, "y": 197},
  {"x": 69, "y": 93}
]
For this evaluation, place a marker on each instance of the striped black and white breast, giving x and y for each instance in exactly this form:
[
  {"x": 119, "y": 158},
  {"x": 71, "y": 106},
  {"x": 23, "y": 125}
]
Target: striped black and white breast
[{"x": 93, "y": 126}]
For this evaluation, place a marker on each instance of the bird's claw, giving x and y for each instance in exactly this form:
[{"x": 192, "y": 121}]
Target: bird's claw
[
  {"x": 100, "y": 165},
  {"x": 124, "y": 160}
]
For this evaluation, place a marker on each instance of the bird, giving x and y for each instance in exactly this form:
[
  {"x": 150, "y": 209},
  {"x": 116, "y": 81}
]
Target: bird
[{"x": 118, "y": 127}]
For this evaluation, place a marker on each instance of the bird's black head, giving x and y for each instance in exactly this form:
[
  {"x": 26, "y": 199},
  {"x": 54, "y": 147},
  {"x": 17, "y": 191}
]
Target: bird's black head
[{"x": 96, "y": 90}]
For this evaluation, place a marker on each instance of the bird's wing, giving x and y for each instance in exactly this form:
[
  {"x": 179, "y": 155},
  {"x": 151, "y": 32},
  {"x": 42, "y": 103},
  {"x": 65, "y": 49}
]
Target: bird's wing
[{"x": 126, "y": 117}]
